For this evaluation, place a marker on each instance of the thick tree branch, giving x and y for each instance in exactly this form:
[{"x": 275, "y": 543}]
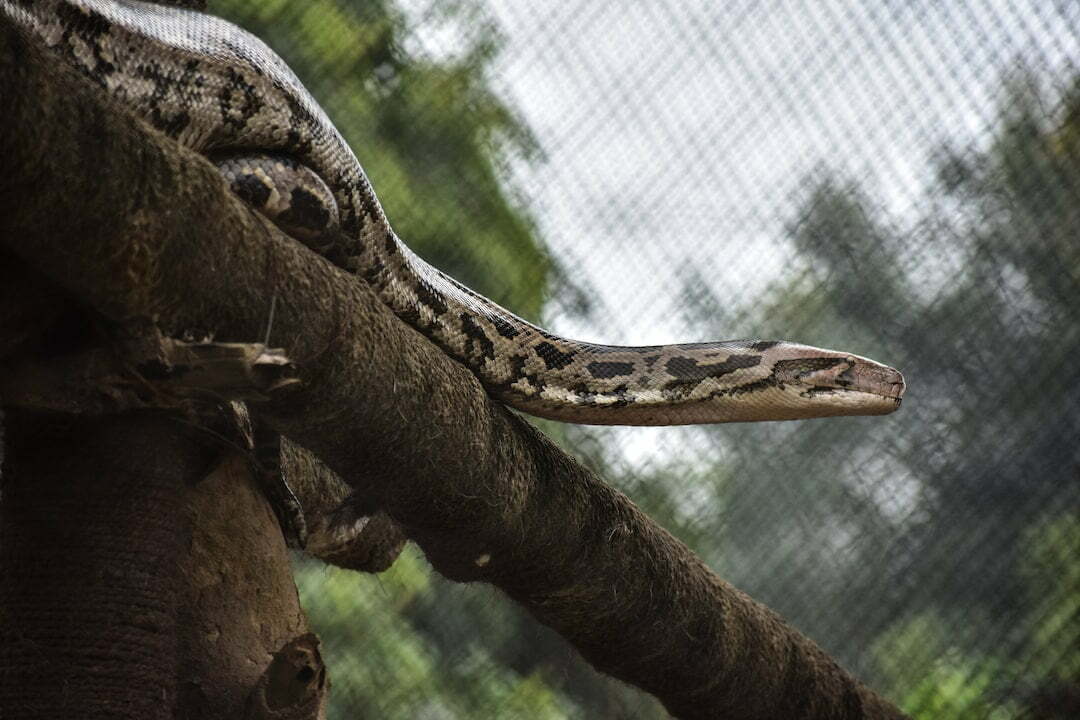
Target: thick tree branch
[{"x": 135, "y": 226}]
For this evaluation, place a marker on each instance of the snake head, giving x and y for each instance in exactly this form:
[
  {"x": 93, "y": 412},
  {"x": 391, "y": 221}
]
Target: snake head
[{"x": 848, "y": 384}]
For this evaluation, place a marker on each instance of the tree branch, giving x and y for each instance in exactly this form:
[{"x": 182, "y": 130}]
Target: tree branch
[{"x": 135, "y": 226}]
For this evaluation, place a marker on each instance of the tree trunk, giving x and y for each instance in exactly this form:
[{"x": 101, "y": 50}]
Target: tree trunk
[{"x": 137, "y": 584}]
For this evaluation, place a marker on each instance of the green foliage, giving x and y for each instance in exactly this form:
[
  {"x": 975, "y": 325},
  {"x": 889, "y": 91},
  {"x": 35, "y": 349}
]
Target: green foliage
[
  {"x": 956, "y": 687},
  {"x": 382, "y": 667},
  {"x": 930, "y": 678},
  {"x": 1051, "y": 572}
]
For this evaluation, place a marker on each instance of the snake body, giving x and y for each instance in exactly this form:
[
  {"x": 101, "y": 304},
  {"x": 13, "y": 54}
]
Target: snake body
[{"x": 222, "y": 92}]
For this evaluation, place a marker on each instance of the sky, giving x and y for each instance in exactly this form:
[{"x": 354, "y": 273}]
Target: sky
[{"x": 678, "y": 133}]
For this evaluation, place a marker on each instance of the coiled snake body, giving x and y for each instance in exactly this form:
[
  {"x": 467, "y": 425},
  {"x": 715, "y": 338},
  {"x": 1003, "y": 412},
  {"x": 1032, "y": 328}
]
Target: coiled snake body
[{"x": 221, "y": 91}]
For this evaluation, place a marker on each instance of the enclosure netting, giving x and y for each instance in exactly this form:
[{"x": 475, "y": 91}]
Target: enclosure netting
[{"x": 895, "y": 179}]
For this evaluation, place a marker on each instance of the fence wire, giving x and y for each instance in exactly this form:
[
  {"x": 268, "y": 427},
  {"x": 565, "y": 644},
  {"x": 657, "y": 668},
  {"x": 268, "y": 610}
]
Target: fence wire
[{"x": 899, "y": 179}]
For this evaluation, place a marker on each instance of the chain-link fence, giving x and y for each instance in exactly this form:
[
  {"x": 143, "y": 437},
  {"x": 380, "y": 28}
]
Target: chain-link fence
[{"x": 899, "y": 179}]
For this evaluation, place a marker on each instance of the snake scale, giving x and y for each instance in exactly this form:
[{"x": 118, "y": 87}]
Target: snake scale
[{"x": 222, "y": 92}]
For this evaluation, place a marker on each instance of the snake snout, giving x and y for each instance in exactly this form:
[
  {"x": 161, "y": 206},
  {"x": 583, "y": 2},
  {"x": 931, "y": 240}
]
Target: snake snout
[{"x": 870, "y": 377}]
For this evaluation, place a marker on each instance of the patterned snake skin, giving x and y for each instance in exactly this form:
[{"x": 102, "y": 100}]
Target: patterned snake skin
[{"x": 222, "y": 92}]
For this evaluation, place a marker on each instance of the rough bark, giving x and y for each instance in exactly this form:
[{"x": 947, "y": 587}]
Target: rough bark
[
  {"x": 137, "y": 583},
  {"x": 485, "y": 496},
  {"x": 90, "y": 533}
]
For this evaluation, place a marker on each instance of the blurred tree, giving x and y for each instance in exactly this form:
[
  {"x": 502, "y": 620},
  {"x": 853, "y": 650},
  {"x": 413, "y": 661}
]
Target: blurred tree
[{"x": 930, "y": 513}]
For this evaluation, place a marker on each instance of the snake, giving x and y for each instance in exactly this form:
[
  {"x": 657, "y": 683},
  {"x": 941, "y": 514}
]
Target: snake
[{"x": 222, "y": 92}]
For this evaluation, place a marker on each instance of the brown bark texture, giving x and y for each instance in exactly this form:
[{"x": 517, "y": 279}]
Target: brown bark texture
[
  {"x": 144, "y": 577},
  {"x": 135, "y": 226},
  {"x": 88, "y": 602}
]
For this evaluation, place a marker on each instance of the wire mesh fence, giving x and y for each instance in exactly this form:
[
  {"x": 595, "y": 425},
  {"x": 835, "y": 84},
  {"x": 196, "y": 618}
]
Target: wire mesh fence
[{"x": 901, "y": 179}]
